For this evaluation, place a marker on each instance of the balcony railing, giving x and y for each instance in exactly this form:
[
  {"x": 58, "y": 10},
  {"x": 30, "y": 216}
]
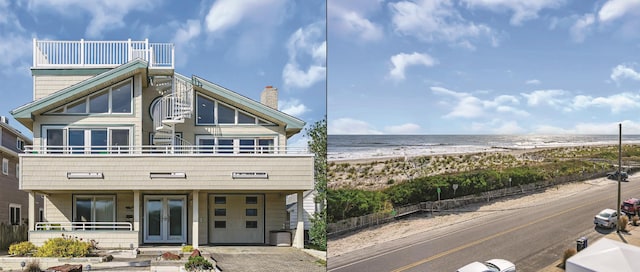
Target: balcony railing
[
  {"x": 165, "y": 150},
  {"x": 73, "y": 226},
  {"x": 100, "y": 54}
]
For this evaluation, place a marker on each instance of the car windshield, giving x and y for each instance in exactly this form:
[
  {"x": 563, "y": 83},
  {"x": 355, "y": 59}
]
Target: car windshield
[
  {"x": 605, "y": 214},
  {"x": 492, "y": 267}
]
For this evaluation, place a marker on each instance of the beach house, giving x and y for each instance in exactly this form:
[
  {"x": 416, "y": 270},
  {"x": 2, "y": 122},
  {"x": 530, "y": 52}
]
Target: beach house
[
  {"x": 127, "y": 152},
  {"x": 13, "y": 202}
]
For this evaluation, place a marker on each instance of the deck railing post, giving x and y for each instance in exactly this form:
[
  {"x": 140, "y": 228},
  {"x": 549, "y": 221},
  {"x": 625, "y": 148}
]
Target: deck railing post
[
  {"x": 147, "y": 50},
  {"x": 35, "y": 55},
  {"x": 129, "y": 50},
  {"x": 82, "y": 52}
]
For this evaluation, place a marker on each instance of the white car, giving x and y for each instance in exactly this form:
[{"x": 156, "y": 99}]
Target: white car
[
  {"x": 607, "y": 218},
  {"x": 493, "y": 265}
]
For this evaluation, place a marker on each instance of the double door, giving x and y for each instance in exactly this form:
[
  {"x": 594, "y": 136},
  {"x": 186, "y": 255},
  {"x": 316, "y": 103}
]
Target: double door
[{"x": 165, "y": 219}]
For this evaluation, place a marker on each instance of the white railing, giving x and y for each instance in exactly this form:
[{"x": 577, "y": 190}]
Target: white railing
[
  {"x": 73, "y": 226},
  {"x": 94, "y": 54},
  {"x": 164, "y": 150}
]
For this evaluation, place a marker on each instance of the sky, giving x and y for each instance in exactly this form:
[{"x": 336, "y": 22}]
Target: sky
[
  {"x": 483, "y": 66},
  {"x": 242, "y": 45}
]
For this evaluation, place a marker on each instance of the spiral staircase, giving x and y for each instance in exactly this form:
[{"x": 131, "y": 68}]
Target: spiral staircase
[{"x": 175, "y": 105}]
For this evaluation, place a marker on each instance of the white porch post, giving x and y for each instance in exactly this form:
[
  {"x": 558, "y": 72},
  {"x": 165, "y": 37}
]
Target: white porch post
[
  {"x": 195, "y": 219},
  {"x": 298, "y": 241},
  {"x": 136, "y": 210},
  {"x": 32, "y": 210}
]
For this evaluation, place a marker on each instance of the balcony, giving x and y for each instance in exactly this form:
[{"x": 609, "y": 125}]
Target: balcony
[
  {"x": 100, "y": 54},
  {"x": 166, "y": 168}
]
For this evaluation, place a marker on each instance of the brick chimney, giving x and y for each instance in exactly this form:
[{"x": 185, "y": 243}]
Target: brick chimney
[{"x": 269, "y": 97}]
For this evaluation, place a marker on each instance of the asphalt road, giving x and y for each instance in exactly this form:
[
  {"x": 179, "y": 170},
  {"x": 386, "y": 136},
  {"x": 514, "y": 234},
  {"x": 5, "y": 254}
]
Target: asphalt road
[{"x": 532, "y": 237}]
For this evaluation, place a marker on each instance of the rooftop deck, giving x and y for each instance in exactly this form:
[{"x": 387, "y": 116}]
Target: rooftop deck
[{"x": 100, "y": 54}]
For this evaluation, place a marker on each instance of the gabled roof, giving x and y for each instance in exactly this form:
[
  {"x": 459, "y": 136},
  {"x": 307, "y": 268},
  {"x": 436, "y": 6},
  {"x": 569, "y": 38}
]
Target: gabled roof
[
  {"x": 293, "y": 124},
  {"x": 24, "y": 114}
]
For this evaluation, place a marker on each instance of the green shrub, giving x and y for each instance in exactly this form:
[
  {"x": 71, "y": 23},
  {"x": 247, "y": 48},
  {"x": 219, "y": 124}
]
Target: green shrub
[
  {"x": 22, "y": 248},
  {"x": 197, "y": 263},
  {"x": 64, "y": 247},
  {"x": 187, "y": 248}
]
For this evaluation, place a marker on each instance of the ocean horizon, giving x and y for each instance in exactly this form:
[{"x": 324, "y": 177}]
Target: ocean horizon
[{"x": 353, "y": 147}]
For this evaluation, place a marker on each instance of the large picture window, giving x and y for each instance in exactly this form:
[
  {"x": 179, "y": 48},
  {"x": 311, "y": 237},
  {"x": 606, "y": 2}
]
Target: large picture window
[
  {"x": 213, "y": 112},
  {"x": 87, "y": 140},
  {"x": 94, "y": 208},
  {"x": 117, "y": 99}
]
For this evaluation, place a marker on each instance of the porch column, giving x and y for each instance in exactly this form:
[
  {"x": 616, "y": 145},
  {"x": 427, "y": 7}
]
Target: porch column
[
  {"x": 298, "y": 241},
  {"x": 136, "y": 210},
  {"x": 32, "y": 210},
  {"x": 195, "y": 219}
]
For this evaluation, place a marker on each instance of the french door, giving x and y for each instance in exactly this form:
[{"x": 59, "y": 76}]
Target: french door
[{"x": 165, "y": 219}]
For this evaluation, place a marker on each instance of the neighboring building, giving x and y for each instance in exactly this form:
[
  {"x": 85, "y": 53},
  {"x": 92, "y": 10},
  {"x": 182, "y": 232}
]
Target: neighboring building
[
  {"x": 128, "y": 152},
  {"x": 14, "y": 204}
]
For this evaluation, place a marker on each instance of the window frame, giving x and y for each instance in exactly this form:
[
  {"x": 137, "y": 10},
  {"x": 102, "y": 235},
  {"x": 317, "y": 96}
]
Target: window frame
[
  {"x": 237, "y": 147},
  {"x": 15, "y": 210},
  {"x": 63, "y": 110},
  {"x": 93, "y": 206},
  {"x": 5, "y": 166},
  {"x": 19, "y": 144},
  {"x": 236, "y": 114},
  {"x": 87, "y": 147}
]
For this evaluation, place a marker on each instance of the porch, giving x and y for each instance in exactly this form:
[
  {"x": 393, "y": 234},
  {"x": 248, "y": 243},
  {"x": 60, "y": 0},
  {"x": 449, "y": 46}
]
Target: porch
[{"x": 129, "y": 219}]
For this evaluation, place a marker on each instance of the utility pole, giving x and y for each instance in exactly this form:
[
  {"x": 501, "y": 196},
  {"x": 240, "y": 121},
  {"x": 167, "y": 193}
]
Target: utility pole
[{"x": 619, "y": 172}]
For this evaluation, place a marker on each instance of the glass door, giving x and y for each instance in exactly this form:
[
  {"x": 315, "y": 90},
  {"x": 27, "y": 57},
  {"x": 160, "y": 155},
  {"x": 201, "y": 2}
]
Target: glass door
[{"x": 165, "y": 219}]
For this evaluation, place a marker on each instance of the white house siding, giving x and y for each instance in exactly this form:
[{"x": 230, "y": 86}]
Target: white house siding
[
  {"x": 276, "y": 213},
  {"x": 309, "y": 209},
  {"x": 45, "y": 85}
]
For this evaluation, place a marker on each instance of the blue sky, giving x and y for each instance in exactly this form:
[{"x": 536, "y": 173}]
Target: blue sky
[
  {"x": 243, "y": 45},
  {"x": 483, "y": 67}
]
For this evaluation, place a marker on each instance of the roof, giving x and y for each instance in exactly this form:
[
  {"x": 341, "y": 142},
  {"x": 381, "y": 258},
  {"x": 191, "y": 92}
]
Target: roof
[
  {"x": 605, "y": 255},
  {"x": 293, "y": 124},
  {"x": 24, "y": 114}
]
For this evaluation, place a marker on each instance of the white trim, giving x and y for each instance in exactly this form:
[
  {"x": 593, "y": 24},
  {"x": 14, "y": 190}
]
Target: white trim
[
  {"x": 164, "y": 236},
  {"x": 93, "y": 205},
  {"x": 5, "y": 166},
  {"x": 19, "y": 213}
]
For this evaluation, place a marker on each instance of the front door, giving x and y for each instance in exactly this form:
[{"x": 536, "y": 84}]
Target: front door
[{"x": 165, "y": 219}]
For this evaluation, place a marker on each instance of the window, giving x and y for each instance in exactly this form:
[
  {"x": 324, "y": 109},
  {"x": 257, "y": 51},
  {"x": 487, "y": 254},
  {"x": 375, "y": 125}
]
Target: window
[
  {"x": 85, "y": 140},
  {"x": 251, "y": 200},
  {"x": 113, "y": 100},
  {"x": 211, "y": 112},
  {"x": 251, "y": 212},
  {"x": 15, "y": 213},
  {"x": 19, "y": 144},
  {"x": 237, "y": 145},
  {"x": 100, "y": 208},
  {"x": 220, "y": 212},
  {"x": 266, "y": 145},
  {"x": 220, "y": 224},
  {"x": 5, "y": 166},
  {"x": 251, "y": 224},
  {"x": 220, "y": 200}
]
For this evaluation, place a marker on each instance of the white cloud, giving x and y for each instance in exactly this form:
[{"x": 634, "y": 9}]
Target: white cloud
[
  {"x": 184, "y": 34},
  {"x": 623, "y": 71},
  {"x": 350, "y": 126},
  {"x": 469, "y": 106},
  {"x": 523, "y": 10},
  {"x": 408, "y": 128},
  {"x": 15, "y": 53},
  {"x": 617, "y": 102},
  {"x": 532, "y": 82},
  {"x": 293, "y": 107},
  {"x": 542, "y": 97},
  {"x": 614, "y": 9},
  {"x": 105, "y": 15},
  {"x": 306, "y": 43},
  {"x": 352, "y": 21},
  {"x": 628, "y": 127},
  {"x": 225, "y": 14},
  {"x": 581, "y": 27},
  {"x": 401, "y": 61},
  {"x": 437, "y": 20}
]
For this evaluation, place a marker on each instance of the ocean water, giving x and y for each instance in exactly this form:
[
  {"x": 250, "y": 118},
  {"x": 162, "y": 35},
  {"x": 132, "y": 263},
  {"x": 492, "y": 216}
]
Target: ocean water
[{"x": 349, "y": 147}]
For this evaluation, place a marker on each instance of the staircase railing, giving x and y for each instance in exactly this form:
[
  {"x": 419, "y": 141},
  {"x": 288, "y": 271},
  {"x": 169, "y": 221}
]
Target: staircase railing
[{"x": 173, "y": 108}]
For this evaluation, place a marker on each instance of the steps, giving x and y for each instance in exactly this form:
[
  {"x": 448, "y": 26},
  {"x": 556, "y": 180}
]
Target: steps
[{"x": 174, "y": 107}]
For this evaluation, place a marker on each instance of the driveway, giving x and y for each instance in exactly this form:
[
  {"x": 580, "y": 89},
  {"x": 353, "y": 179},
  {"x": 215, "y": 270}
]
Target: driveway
[{"x": 264, "y": 258}]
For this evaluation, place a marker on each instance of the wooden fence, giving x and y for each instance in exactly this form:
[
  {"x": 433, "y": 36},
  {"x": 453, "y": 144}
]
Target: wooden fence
[
  {"x": 10, "y": 234},
  {"x": 355, "y": 223}
]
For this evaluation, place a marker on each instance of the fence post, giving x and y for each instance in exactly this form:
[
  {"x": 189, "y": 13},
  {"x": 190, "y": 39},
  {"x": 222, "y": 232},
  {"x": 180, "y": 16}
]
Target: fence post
[{"x": 81, "y": 52}]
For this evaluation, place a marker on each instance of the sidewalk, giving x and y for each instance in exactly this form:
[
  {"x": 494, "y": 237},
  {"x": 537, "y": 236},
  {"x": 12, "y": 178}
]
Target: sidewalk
[{"x": 631, "y": 237}]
